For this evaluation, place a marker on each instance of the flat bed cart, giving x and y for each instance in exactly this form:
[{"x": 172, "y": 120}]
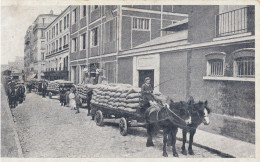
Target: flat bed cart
[{"x": 127, "y": 118}]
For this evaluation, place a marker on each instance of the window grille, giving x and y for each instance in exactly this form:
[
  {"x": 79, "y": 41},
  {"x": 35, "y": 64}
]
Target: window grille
[
  {"x": 216, "y": 67},
  {"x": 245, "y": 67}
]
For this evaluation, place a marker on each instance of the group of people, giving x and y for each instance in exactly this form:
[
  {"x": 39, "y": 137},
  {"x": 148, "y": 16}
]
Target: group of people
[{"x": 70, "y": 97}]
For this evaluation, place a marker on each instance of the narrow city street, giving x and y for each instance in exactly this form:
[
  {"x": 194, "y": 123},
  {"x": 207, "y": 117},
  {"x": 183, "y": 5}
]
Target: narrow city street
[{"x": 46, "y": 129}]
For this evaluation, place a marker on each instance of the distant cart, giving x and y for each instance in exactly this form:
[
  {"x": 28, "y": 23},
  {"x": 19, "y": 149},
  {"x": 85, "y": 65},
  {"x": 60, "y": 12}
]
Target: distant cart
[
  {"x": 127, "y": 118},
  {"x": 54, "y": 87}
]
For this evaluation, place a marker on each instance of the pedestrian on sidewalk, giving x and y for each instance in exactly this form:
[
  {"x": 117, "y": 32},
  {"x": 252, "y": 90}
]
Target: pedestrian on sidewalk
[{"x": 72, "y": 99}]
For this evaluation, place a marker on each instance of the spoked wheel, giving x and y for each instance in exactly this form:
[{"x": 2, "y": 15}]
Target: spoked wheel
[
  {"x": 99, "y": 119},
  {"x": 123, "y": 126},
  {"x": 50, "y": 95}
]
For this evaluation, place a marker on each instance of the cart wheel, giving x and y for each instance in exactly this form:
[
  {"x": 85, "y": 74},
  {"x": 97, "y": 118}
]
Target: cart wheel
[
  {"x": 50, "y": 95},
  {"x": 99, "y": 119},
  {"x": 123, "y": 126}
]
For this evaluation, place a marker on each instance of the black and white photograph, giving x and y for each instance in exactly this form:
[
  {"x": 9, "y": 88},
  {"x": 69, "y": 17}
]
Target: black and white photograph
[{"x": 128, "y": 81}]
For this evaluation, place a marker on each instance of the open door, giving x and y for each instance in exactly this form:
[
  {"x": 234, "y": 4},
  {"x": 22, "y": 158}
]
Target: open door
[{"x": 146, "y": 73}]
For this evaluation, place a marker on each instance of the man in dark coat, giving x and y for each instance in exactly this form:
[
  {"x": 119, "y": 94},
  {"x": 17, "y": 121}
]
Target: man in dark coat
[{"x": 146, "y": 91}]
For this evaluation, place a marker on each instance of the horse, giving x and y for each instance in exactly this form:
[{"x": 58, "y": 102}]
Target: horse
[
  {"x": 21, "y": 93},
  {"x": 168, "y": 118},
  {"x": 199, "y": 114}
]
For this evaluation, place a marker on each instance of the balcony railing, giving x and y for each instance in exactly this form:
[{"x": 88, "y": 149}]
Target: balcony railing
[{"x": 232, "y": 22}]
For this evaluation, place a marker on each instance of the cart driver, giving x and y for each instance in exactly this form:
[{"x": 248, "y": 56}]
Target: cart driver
[{"x": 147, "y": 93}]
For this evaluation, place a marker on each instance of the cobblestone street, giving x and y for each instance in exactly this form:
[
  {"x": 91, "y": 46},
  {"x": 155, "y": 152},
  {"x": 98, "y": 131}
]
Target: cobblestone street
[{"x": 46, "y": 129}]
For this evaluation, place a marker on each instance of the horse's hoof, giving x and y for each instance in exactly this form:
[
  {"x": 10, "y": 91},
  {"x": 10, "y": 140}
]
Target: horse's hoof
[
  {"x": 149, "y": 144},
  {"x": 175, "y": 154},
  {"x": 184, "y": 152},
  {"x": 165, "y": 154},
  {"x": 191, "y": 152}
]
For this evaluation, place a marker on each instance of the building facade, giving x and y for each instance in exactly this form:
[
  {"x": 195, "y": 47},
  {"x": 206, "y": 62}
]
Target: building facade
[
  {"x": 28, "y": 56},
  {"x": 98, "y": 33},
  {"x": 37, "y": 44},
  {"x": 57, "y": 35},
  {"x": 211, "y": 57}
]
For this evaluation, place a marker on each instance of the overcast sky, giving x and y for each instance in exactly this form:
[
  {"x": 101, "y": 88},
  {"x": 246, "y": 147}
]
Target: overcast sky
[{"x": 14, "y": 23}]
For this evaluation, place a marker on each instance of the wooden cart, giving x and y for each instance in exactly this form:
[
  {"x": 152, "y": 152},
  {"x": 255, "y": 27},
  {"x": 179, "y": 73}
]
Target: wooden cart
[{"x": 127, "y": 119}]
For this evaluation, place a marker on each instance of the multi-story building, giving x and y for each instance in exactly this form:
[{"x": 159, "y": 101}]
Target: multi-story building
[
  {"x": 98, "y": 33},
  {"x": 210, "y": 56},
  {"x": 57, "y": 35},
  {"x": 38, "y": 42},
  {"x": 28, "y": 57}
]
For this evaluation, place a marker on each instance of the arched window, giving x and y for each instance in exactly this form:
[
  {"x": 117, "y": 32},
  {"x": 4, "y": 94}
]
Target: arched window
[
  {"x": 215, "y": 63},
  {"x": 244, "y": 62}
]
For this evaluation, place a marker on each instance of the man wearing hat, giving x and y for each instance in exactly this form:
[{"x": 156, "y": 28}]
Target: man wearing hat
[{"x": 146, "y": 92}]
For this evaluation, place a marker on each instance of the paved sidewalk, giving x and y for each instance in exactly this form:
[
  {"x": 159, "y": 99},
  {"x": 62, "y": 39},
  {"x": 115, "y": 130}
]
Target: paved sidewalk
[
  {"x": 221, "y": 144},
  {"x": 10, "y": 144}
]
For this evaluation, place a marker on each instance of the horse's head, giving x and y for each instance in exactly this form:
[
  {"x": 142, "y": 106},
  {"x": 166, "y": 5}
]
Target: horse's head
[
  {"x": 200, "y": 111},
  {"x": 179, "y": 110}
]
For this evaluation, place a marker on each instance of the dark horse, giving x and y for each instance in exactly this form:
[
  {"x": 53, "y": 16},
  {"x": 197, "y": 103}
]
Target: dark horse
[
  {"x": 168, "y": 118},
  {"x": 199, "y": 114}
]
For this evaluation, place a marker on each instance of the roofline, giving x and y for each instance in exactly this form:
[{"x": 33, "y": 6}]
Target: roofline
[
  {"x": 45, "y": 15},
  {"x": 58, "y": 16}
]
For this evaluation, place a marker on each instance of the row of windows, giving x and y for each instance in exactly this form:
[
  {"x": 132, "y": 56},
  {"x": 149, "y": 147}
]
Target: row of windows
[
  {"x": 243, "y": 66},
  {"x": 83, "y": 13},
  {"x": 57, "y": 45},
  {"x": 56, "y": 29}
]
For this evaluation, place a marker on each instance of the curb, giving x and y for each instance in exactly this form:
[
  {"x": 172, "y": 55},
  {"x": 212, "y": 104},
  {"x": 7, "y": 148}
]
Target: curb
[
  {"x": 17, "y": 141},
  {"x": 222, "y": 154}
]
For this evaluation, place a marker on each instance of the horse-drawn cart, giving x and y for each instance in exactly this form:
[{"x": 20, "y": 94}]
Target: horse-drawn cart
[
  {"x": 127, "y": 118},
  {"x": 54, "y": 87}
]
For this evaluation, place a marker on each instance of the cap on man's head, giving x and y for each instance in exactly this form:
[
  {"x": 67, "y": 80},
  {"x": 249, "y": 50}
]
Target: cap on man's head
[{"x": 147, "y": 78}]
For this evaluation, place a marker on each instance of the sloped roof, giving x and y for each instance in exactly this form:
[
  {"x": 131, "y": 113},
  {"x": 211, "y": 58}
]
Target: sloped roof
[
  {"x": 177, "y": 24},
  {"x": 174, "y": 37}
]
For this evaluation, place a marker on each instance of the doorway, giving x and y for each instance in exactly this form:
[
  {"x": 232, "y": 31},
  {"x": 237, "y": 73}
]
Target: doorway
[{"x": 146, "y": 73}]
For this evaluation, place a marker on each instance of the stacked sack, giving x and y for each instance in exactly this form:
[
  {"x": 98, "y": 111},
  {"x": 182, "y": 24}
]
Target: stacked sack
[
  {"x": 83, "y": 89},
  {"x": 53, "y": 86},
  {"x": 117, "y": 96}
]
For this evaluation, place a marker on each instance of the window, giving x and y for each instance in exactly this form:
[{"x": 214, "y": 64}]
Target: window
[
  {"x": 60, "y": 43},
  {"x": 43, "y": 21},
  {"x": 232, "y": 20},
  {"x": 42, "y": 33},
  {"x": 83, "y": 11},
  {"x": 110, "y": 31},
  {"x": 64, "y": 40},
  {"x": 42, "y": 44},
  {"x": 216, "y": 67},
  {"x": 93, "y": 7},
  {"x": 57, "y": 45},
  {"x": 141, "y": 24},
  {"x": 244, "y": 67},
  {"x": 67, "y": 39},
  {"x": 64, "y": 22},
  {"x": 54, "y": 31},
  {"x": 94, "y": 36},
  {"x": 47, "y": 35},
  {"x": 74, "y": 45},
  {"x": 60, "y": 26},
  {"x": 68, "y": 18},
  {"x": 42, "y": 56},
  {"x": 74, "y": 16},
  {"x": 215, "y": 64},
  {"x": 83, "y": 41},
  {"x": 57, "y": 29}
]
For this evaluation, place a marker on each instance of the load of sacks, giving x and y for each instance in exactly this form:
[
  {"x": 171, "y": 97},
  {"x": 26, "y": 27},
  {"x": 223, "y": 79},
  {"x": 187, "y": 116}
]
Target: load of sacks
[
  {"x": 54, "y": 85},
  {"x": 83, "y": 89},
  {"x": 117, "y": 96}
]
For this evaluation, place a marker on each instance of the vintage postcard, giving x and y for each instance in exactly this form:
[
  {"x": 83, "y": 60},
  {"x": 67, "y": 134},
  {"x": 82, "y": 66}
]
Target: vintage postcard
[{"x": 120, "y": 79}]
